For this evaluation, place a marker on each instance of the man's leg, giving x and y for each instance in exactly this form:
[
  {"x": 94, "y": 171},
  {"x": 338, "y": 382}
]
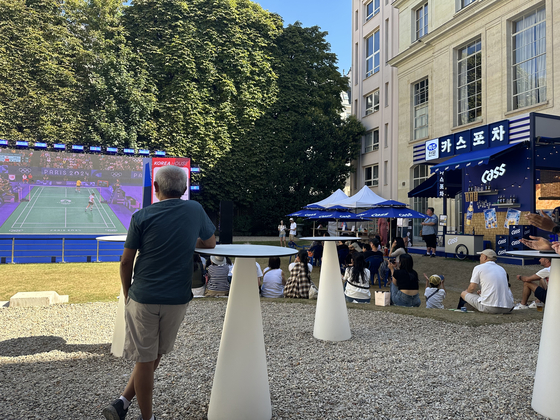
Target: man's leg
[
  {"x": 130, "y": 391},
  {"x": 526, "y": 292}
]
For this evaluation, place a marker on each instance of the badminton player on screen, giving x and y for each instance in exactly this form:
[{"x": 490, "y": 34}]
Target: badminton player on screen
[{"x": 90, "y": 204}]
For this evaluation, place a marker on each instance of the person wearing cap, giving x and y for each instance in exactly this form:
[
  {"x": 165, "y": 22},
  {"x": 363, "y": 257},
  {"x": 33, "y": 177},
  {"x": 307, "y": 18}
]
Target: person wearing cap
[
  {"x": 293, "y": 229},
  {"x": 218, "y": 270},
  {"x": 537, "y": 284},
  {"x": 489, "y": 290},
  {"x": 435, "y": 291}
]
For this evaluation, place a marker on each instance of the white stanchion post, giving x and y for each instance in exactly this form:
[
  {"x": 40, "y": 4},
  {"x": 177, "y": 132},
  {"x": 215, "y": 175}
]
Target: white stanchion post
[
  {"x": 117, "y": 346},
  {"x": 331, "y": 315},
  {"x": 547, "y": 376},
  {"x": 240, "y": 390}
]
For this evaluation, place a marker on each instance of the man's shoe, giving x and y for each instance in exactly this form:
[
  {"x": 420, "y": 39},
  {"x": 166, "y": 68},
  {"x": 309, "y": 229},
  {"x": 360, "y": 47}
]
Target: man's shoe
[
  {"x": 520, "y": 306},
  {"x": 140, "y": 417},
  {"x": 426, "y": 255},
  {"x": 115, "y": 411},
  {"x": 433, "y": 255},
  {"x": 533, "y": 305}
]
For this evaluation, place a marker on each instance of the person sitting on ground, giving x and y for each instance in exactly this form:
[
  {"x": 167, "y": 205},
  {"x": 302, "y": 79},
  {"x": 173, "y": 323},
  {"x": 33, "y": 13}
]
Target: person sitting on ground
[
  {"x": 316, "y": 251},
  {"x": 404, "y": 283},
  {"x": 354, "y": 248},
  {"x": 198, "y": 286},
  {"x": 374, "y": 249},
  {"x": 342, "y": 251},
  {"x": 292, "y": 265},
  {"x": 273, "y": 280},
  {"x": 435, "y": 291},
  {"x": 537, "y": 283},
  {"x": 217, "y": 271},
  {"x": 494, "y": 296},
  {"x": 299, "y": 283},
  {"x": 356, "y": 281},
  {"x": 397, "y": 248}
]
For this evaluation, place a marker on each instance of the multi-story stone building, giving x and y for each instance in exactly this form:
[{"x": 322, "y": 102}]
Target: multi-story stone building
[
  {"x": 374, "y": 95},
  {"x": 464, "y": 65}
]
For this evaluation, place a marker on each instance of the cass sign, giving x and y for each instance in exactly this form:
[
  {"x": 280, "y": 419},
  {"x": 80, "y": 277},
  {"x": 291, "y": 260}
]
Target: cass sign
[
  {"x": 432, "y": 149},
  {"x": 491, "y": 174}
]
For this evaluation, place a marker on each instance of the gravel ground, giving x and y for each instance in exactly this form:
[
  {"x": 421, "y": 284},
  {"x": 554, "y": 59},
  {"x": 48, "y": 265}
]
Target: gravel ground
[{"x": 56, "y": 364}]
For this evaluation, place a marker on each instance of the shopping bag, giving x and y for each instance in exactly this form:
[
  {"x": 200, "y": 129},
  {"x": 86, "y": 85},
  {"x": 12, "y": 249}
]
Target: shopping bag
[{"x": 382, "y": 298}]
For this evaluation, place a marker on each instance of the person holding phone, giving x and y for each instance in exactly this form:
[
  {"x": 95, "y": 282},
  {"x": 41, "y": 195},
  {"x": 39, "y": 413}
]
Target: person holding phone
[{"x": 404, "y": 283}]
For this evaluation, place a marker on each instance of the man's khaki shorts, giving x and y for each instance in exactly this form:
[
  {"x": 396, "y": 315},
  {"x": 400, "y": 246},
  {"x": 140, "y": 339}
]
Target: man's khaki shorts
[
  {"x": 472, "y": 299},
  {"x": 151, "y": 330}
]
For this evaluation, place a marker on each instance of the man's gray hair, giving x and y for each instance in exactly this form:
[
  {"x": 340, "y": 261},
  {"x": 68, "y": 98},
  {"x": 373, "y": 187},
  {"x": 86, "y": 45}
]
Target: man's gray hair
[{"x": 172, "y": 181}]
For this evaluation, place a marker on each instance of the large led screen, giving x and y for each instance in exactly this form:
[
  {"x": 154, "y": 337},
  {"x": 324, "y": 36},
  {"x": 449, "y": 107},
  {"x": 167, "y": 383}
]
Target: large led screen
[{"x": 48, "y": 193}]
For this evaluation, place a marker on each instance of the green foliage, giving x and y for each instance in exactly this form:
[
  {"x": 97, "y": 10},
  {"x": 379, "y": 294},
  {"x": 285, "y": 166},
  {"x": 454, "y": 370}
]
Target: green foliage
[
  {"x": 300, "y": 150},
  {"x": 39, "y": 91},
  {"x": 210, "y": 64}
]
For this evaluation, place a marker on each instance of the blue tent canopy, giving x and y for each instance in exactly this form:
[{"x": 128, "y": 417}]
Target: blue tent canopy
[{"x": 391, "y": 213}]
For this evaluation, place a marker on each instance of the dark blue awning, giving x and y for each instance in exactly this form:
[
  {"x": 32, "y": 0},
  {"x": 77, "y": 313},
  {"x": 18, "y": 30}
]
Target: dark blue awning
[
  {"x": 479, "y": 157},
  {"x": 429, "y": 188}
]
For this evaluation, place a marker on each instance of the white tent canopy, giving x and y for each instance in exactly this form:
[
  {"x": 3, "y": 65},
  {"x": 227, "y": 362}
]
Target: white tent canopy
[
  {"x": 338, "y": 195},
  {"x": 365, "y": 198}
]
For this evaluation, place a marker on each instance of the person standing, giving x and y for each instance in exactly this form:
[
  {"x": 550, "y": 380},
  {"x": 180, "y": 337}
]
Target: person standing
[
  {"x": 78, "y": 185},
  {"x": 90, "y": 203},
  {"x": 293, "y": 230},
  {"x": 429, "y": 231},
  {"x": 282, "y": 233},
  {"x": 157, "y": 300}
]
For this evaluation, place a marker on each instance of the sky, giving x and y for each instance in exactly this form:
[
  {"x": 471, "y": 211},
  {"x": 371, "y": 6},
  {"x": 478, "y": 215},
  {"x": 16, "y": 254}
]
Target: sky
[{"x": 332, "y": 16}]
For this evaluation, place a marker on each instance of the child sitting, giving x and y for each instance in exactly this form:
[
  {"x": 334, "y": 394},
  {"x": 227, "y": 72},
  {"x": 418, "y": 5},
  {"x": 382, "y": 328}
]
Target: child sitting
[{"x": 435, "y": 291}]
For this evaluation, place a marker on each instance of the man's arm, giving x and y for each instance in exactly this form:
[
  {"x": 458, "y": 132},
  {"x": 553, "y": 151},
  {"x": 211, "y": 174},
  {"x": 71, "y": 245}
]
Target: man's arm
[
  {"x": 206, "y": 243},
  {"x": 127, "y": 264},
  {"x": 473, "y": 287},
  {"x": 542, "y": 221},
  {"x": 534, "y": 277}
]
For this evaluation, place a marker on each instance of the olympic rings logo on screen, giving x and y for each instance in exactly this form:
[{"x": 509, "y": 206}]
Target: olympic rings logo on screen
[
  {"x": 25, "y": 170},
  {"x": 116, "y": 174}
]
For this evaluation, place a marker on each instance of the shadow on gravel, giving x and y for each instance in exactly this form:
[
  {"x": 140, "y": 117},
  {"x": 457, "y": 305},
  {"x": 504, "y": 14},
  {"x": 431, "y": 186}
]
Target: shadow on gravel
[{"x": 25, "y": 346}]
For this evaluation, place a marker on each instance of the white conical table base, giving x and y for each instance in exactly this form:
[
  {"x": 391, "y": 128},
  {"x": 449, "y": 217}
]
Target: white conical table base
[
  {"x": 240, "y": 390},
  {"x": 117, "y": 345},
  {"x": 547, "y": 376},
  {"x": 331, "y": 315}
]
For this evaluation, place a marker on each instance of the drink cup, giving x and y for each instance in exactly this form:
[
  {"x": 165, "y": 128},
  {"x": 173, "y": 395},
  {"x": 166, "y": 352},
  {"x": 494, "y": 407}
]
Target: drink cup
[{"x": 540, "y": 306}]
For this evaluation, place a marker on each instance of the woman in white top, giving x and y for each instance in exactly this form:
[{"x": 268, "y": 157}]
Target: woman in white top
[
  {"x": 356, "y": 289},
  {"x": 273, "y": 280}
]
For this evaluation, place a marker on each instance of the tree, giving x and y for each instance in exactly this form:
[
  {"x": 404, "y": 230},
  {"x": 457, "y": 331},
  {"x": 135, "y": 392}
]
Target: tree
[
  {"x": 210, "y": 64},
  {"x": 39, "y": 91},
  {"x": 300, "y": 150}
]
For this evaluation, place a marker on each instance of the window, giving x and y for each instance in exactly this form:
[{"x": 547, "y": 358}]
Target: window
[
  {"x": 421, "y": 109},
  {"x": 372, "y": 102},
  {"x": 386, "y": 43},
  {"x": 372, "y": 8},
  {"x": 371, "y": 175},
  {"x": 371, "y": 141},
  {"x": 465, "y": 3},
  {"x": 422, "y": 21},
  {"x": 469, "y": 83},
  {"x": 529, "y": 59},
  {"x": 372, "y": 54}
]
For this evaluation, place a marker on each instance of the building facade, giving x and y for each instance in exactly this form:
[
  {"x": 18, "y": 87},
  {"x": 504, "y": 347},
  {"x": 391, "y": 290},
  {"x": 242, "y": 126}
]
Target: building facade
[
  {"x": 464, "y": 65},
  {"x": 374, "y": 95}
]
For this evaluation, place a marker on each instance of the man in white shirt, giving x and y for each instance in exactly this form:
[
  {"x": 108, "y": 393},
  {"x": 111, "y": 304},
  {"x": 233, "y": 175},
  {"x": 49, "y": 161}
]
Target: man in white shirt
[
  {"x": 489, "y": 290},
  {"x": 537, "y": 283},
  {"x": 293, "y": 228}
]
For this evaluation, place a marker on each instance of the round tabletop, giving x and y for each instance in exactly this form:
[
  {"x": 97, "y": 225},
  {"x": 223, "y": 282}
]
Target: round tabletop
[
  {"x": 248, "y": 251},
  {"x": 328, "y": 238},
  {"x": 113, "y": 238},
  {"x": 533, "y": 254}
]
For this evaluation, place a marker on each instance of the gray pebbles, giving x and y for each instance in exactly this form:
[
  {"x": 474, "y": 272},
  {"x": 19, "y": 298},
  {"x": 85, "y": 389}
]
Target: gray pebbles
[{"x": 55, "y": 363}]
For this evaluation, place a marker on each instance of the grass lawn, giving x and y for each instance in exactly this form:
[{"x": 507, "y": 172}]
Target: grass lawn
[{"x": 99, "y": 282}]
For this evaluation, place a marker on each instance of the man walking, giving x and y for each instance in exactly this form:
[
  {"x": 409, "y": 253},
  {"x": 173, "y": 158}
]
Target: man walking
[
  {"x": 429, "y": 230},
  {"x": 494, "y": 296},
  {"x": 164, "y": 235}
]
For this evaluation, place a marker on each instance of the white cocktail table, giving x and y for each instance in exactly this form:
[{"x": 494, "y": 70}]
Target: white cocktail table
[
  {"x": 240, "y": 389},
  {"x": 331, "y": 315},
  {"x": 117, "y": 345},
  {"x": 547, "y": 376}
]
